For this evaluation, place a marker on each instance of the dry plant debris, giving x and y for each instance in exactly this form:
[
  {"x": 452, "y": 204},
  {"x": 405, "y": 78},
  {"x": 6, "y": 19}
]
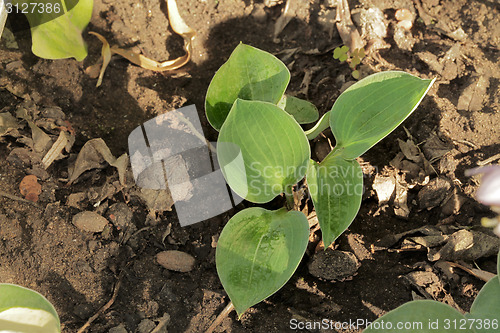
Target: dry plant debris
[{"x": 177, "y": 24}]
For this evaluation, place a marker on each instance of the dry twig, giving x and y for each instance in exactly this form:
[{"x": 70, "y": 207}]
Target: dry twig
[{"x": 105, "y": 307}]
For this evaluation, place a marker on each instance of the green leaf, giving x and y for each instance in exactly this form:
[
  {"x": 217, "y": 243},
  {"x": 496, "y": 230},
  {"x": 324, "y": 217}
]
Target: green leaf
[
  {"x": 486, "y": 306},
  {"x": 56, "y": 36},
  {"x": 421, "y": 317},
  {"x": 320, "y": 126},
  {"x": 336, "y": 188},
  {"x": 24, "y": 310},
  {"x": 261, "y": 150},
  {"x": 257, "y": 253},
  {"x": 372, "y": 108},
  {"x": 249, "y": 74},
  {"x": 303, "y": 111}
]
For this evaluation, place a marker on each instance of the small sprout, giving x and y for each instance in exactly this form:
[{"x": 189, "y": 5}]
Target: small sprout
[
  {"x": 354, "y": 58},
  {"x": 340, "y": 53}
]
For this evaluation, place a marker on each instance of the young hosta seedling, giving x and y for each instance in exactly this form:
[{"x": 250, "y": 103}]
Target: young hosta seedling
[
  {"x": 354, "y": 58},
  {"x": 23, "y": 310},
  {"x": 56, "y": 26},
  {"x": 427, "y": 316},
  {"x": 263, "y": 152}
]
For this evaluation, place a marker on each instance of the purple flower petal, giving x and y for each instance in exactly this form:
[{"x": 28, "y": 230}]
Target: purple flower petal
[{"x": 489, "y": 190}]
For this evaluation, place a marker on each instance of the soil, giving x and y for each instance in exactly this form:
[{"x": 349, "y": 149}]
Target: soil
[{"x": 41, "y": 249}]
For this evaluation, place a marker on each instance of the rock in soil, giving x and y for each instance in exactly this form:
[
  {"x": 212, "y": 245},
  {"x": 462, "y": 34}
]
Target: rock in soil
[
  {"x": 333, "y": 265},
  {"x": 90, "y": 221},
  {"x": 176, "y": 261}
]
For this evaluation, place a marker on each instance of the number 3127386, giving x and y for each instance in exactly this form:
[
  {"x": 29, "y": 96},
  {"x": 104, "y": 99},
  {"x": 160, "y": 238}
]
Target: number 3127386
[{"x": 25, "y": 7}]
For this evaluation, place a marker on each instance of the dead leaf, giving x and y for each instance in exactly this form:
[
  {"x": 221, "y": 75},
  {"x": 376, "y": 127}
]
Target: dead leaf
[
  {"x": 177, "y": 24},
  {"x": 92, "y": 156},
  {"x": 285, "y": 17},
  {"x": 23, "y": 157},
  {"x": 7, "y": 123},
  {"x": 74, "y": 199},
  {"x": 55, "y": 151},
  {"x": 410, "y": 150},
  {"x": 390, "y": 240},
  {"x": 347, "y": 30},
  {"x": 474, "y": 94},
  {"x": 466, "y": 245},
  {"x": 401, "y": 199},
  {"x": 427, "y": 283},
  {"x": 384, "y": 186},
  {"x": 479, "y": 273},
  {"x": 433, "y": 194},
  {"x": 30, "y": 188},
  {"x": 156, "y": 200},
  {"x": 434, "y": 148},
  {"x": 105, "y": 58}
]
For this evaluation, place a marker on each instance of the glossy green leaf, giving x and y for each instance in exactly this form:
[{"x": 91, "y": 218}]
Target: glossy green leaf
[
  {"x": 303, "y": 111},
  {"x": 486, "y": 307},
  {"x": 372, "y": 108},
  {"x": 261, "y": 150},
  {"x": 56, "y": 36},
  {"x": 249, "y": 74},
  {"x": 257, "y": 253},
  {"x": 26, "y": 311},
  {"x": 422, "y": 316},
  {"x": 336, "y": 188}
]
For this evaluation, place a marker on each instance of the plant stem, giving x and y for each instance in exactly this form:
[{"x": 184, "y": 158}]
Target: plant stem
[
  {"x": 290, "y": 203},
  {"x": 220, "y": 317},
  {"x": 320, "y": 126}
]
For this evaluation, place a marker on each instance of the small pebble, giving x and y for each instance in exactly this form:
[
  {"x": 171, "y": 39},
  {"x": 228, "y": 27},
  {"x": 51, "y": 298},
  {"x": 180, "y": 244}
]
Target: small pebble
[
  {"x": 90, "y": 221},
  {"x": 404, "y": 14},
  {"x": 176, "y": 261}
]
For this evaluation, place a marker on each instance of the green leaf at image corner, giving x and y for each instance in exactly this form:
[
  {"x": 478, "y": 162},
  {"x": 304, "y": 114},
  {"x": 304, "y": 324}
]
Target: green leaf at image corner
[
  {"x": 60, "y": 36},
  {"x": 336, "y": 188},
  {"x": 261, "y": 150},
  {"x": 303, "y": 111},
  {"x": 372, "y": 108},
  {"x": 249, "y": 74},
  {"x": 486, "y": 306},
  {"x": 257, "y": 253},
  {"x": 420, "y": 317},
  {"x": 25, "y": 310}
]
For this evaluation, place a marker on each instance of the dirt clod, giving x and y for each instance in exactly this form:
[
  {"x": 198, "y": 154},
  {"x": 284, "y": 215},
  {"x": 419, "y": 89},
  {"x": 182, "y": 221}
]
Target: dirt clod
[{"x": 333, "y": 265}]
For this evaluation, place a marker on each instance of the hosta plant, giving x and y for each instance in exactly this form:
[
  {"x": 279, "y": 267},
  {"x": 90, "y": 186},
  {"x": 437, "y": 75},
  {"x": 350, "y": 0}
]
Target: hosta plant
[
  {"x": 23, "y": 310},
  {"x": 56, "y": 26},
  {"x": 426, "y": 316},
  {"x": 263, "y": 152}
]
